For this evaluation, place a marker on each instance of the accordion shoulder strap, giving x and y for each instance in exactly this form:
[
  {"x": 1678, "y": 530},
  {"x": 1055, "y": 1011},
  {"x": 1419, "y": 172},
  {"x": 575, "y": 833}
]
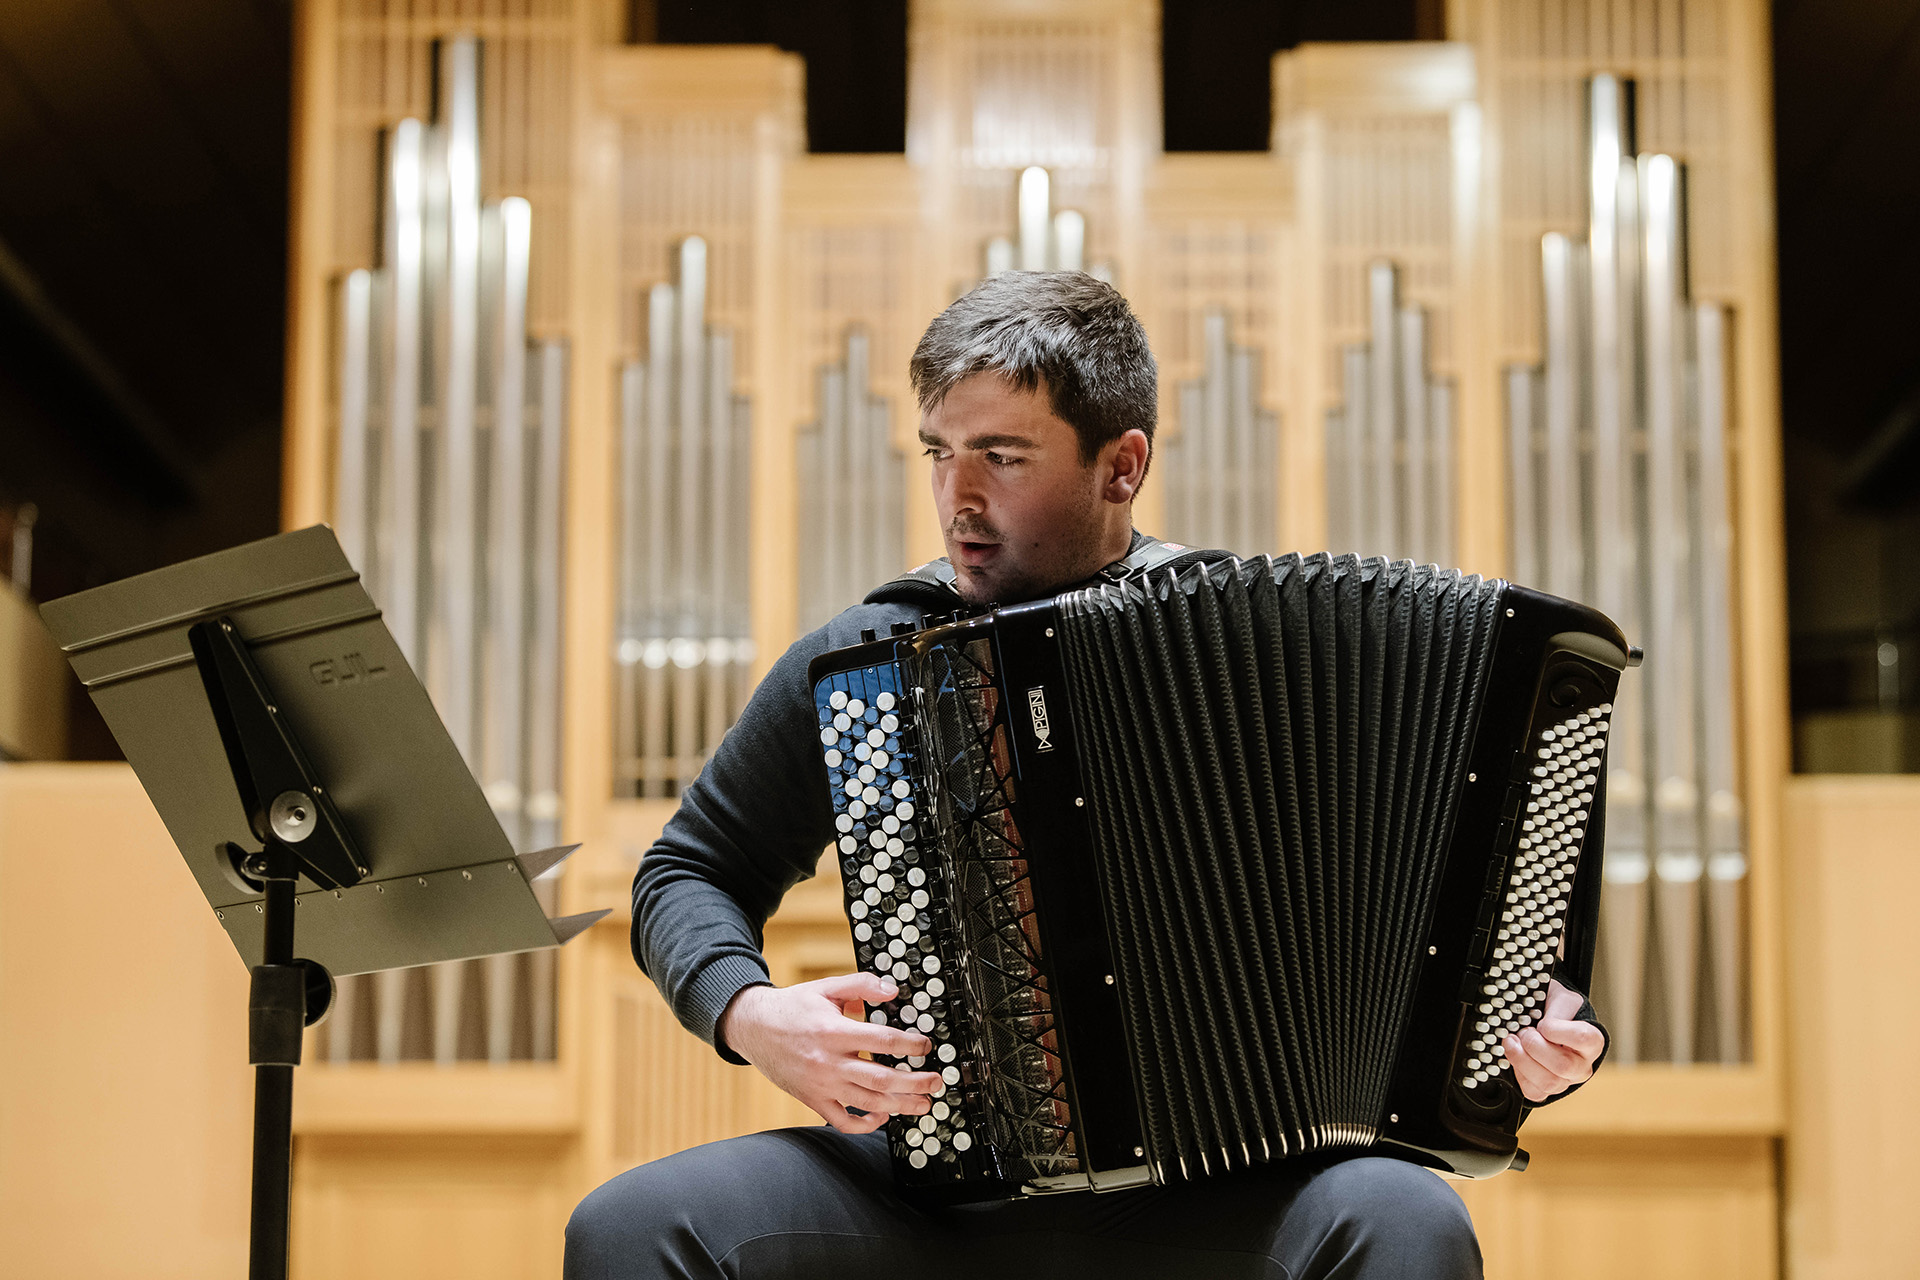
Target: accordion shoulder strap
[{"x": 930, "y": 587}]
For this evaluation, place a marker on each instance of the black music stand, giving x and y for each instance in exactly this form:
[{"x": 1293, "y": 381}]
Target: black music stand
[{"x": 300, "y": 768}]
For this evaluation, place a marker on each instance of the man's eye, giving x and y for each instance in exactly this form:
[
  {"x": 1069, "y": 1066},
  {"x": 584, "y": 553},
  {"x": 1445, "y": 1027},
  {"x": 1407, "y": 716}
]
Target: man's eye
[
  {"x": 933, "y": 452},
  {"x": 1000, "y": 459}
]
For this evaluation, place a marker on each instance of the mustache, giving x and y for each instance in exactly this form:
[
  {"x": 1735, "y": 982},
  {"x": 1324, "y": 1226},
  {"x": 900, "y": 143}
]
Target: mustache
[{"x": 972, "y": 529}]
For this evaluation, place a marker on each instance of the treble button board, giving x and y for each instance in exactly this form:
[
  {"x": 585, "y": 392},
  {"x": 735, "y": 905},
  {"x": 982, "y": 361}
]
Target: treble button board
[
  {"x": 896, "y": 899},
  {"x": 1562, "y": 779}
]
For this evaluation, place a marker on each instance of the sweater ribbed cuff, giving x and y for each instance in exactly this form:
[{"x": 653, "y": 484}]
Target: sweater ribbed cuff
[{"x": 705, "y": 998}]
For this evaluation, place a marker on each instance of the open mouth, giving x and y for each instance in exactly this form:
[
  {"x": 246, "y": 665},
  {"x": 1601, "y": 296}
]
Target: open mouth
[{"x": 977, "y": 553}]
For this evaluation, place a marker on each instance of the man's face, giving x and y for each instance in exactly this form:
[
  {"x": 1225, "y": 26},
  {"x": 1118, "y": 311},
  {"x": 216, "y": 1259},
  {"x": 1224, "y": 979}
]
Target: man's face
[{"x": 1021, "y": 513}]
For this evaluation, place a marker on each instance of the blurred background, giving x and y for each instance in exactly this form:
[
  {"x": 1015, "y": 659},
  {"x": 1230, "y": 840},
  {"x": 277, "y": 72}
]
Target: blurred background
[{"x": 601, "y": 309}]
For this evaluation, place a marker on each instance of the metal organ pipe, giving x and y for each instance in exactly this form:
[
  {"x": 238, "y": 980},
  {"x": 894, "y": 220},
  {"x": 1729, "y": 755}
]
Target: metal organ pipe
[
  {"x": 1389, "y": 446},
  {"x": 1726, "y": 860},
  {"x": 445, "y": 493},
  {"x": 1043, "y": 240},
  {"x": 853, "y": 485},
  {"x": 1220, "y": 468},
  {"x": 684, "y": 644},
  {"x": 1628, "y": 480}
]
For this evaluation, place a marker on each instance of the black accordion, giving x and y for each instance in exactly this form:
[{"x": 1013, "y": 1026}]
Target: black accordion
[{"x": 1219, "y": 864}]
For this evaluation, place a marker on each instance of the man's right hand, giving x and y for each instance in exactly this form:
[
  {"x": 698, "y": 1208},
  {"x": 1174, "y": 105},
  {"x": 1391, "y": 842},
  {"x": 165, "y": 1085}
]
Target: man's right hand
[{"x": 800, "y": 1038}]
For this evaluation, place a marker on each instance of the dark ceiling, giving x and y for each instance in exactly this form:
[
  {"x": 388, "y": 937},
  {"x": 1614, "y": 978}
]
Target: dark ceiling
[
  {"x": 1847, "y": 158},
  {"x": 143, "y": 246}
]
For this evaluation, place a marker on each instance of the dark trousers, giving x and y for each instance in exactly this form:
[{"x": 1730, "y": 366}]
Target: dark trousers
[{"x": 812, "y": 1202}]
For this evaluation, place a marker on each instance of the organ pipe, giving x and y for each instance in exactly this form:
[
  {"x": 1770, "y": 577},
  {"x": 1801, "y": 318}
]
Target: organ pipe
[
  {"x": 1390, "y": 442},
  {"x": 449, "y": 439},
  {"x": 1619, "y": 455},
  {"x": 1220, "y": 467},
  {"x": 852, "y": 489},
  {"x": 1045, "y": 240},
  {"x": 685, "y": 645}
]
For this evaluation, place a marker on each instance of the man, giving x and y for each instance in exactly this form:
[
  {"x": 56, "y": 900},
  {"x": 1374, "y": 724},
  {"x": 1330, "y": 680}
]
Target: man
[{"x": 1038, "y": 400}]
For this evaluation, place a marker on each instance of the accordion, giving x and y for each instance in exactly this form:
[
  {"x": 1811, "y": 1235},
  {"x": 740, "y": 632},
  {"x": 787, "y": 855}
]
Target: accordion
[{"x": 1219, "y": 865}]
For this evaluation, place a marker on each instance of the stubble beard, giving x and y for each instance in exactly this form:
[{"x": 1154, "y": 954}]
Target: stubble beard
[{"x": 1029, "y": 573}]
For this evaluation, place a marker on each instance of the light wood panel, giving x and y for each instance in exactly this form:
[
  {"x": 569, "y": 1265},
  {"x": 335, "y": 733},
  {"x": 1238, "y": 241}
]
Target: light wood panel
[
  {"x": 33, "y": 683},
  {"x": 1852, "y": 879},
  {"x": 1700, "y": 1207},
  {"x": 438, "y": 1208},
  {"x": 126, "y": 1102}
]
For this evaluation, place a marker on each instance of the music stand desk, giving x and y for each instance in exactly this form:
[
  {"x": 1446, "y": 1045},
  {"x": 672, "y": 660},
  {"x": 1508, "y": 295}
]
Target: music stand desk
[{"x": 300, "y": 768}]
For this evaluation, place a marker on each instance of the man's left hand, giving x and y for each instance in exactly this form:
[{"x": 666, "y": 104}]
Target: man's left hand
[{"x": 1557, "y": 1053}]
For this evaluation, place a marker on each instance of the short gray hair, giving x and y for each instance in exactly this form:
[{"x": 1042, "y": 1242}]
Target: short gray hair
[{"x": 1064, "y": 329}]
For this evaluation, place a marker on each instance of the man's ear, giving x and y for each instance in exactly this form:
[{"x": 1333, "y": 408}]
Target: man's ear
[{"x": 1126, "y": 467}]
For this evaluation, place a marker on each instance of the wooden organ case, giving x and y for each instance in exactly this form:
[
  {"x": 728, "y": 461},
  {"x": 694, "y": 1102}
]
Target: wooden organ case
[{"x": 711, "y": 312}]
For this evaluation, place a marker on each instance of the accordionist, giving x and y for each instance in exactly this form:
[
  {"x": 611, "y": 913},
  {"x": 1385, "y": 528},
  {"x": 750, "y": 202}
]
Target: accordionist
[{"x": 1038, "y": 402}]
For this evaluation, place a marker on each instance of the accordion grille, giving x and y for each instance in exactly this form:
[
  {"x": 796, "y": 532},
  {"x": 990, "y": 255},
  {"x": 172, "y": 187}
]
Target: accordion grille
[
  {"x": 1275, "y": 750},
  {"x": 1021, "y": 1078}
]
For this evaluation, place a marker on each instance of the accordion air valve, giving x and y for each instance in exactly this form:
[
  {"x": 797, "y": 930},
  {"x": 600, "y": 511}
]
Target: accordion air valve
[{"x": 1220, "y": 865}]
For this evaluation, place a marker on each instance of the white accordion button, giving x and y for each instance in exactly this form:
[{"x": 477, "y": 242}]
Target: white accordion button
[
  {"x": 838, "y": 700},
  {"x": 904, "y": 811},
  {"x": 828, "y": 737},
  {"x": 962, "y": 1141},
  {"x": 856, "y": 708}
]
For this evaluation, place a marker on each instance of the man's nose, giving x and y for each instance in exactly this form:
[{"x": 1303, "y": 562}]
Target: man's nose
[{"x": 963, "y": 491}]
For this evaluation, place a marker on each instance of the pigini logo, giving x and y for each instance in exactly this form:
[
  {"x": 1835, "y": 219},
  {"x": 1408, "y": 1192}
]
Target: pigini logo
[{"x": 1037, "y": 705}]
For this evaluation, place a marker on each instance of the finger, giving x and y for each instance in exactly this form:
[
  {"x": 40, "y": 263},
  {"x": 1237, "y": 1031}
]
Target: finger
[
  {"x": 869, "y": 988},
  {"x": 1582, "y": 1038},
  {"x": 872, "y": 1037},
  {"x": 1567, "y": 1065},
  {"x": 871, "y": 1076},
  {"x": 1562, "y": 1002},
  {"x": 1535, "y": 1081},
  {"x": 874, "y": 1100},
  {"x": 846, "y": 1122}
]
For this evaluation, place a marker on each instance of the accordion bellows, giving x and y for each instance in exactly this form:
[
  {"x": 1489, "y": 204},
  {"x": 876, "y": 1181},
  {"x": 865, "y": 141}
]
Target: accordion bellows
[
  {"x": 1214, "y": 867},
  {"x": 1331, "y": 704}
]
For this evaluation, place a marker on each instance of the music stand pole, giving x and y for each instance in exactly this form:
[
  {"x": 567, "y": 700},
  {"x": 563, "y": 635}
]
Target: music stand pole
[{"x": 276, "y": 1016}]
